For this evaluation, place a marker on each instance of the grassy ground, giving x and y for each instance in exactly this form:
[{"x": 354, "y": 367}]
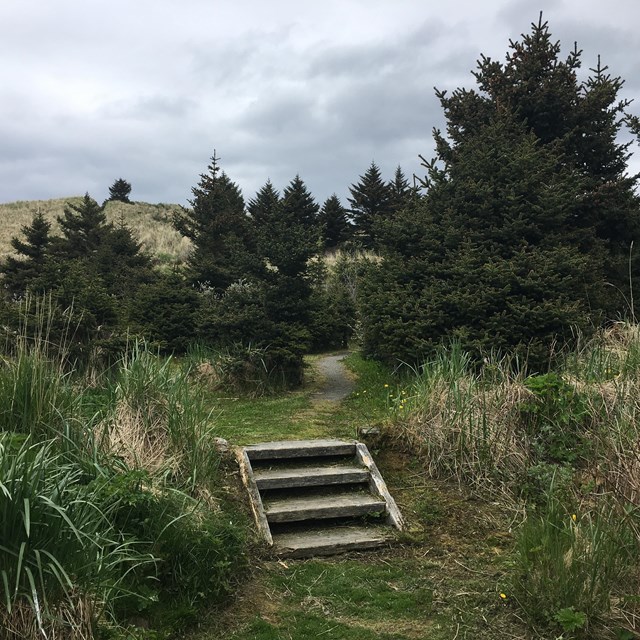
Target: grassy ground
[{"x": 443, "y": 580}]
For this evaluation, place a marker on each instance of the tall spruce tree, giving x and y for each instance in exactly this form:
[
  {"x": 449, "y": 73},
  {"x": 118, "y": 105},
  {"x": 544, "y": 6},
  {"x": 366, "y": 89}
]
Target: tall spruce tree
[
  {"x": 370, "y": 201},
  {"x": 22, "y": 272},
  {"x": 109, "y": 250},
  {"x": 223, "y": 245},
  {"x": 581, "y": 120},
  {"x": 510, "y": 248},
  {"x": 290, "y": 236},
  {"x": 400, "y": 191},
  {"x": 288, "y": 241},
  {"x": 334, "y": 221},
  {"x": 84, "y": 228},
  {"x": 298, "y": 203}
]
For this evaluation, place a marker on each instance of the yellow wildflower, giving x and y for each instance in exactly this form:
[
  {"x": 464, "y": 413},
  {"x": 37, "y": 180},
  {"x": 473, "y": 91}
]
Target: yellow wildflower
[{"x": 503, "y": 596}]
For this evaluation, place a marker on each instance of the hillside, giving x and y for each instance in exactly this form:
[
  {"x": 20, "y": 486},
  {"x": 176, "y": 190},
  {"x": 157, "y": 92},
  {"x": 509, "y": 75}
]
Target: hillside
[{"x": 150, "y": 222}]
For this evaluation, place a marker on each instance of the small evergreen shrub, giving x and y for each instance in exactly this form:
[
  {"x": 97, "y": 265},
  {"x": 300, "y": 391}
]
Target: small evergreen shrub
[{"x": 555, "y": 419}]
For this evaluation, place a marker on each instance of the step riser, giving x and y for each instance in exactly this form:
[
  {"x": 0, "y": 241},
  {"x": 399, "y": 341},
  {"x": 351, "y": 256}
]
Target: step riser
[
  {"x": 358, "y": 477},
  {"x": 323, "y": 513}
]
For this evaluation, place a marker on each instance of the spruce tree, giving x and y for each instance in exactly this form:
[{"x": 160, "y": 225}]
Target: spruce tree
[
  {"x": 290, "y": 236},
  {"x": 223, "y": 246},
  {"x": 335, "y": 223},
  {"x": 523, "y": 225},
  {"x": 299, "y": 204},
  {"x": 264, "y": 206},
  {"x": 400, "y": 191},
  {"x": 120, "y": 191},
  {"x": 485, "y": 257},
  {"x": 21, "y": 273},
  {"x": 84, "y": 227},
  {"x": 370, "y": 200},
  {"x": 288, "y": 241},
  {"x": 581, "y": 120}
]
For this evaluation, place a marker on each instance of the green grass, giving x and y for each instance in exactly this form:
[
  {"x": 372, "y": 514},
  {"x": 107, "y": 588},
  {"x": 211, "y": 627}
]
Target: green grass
[
  {"x": 297, "y": 416},
  {"x": 443, "y": 579},
  {"x": 359, "y": 590}
]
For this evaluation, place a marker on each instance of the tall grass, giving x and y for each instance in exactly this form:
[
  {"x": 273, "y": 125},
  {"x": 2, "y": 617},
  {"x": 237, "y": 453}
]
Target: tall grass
[
  {"x": 107, "y": 486},
  {"x": 563, "y": 443},
  {"x": 60, "y": 557},
  {"x": 158, "y": 419},
  {"x": 464, "y": 422},
  {"x": 569, "y": 565}
]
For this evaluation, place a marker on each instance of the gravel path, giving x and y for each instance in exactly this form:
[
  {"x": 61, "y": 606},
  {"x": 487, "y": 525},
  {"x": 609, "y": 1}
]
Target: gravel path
[{"x": 337, "y": 384}]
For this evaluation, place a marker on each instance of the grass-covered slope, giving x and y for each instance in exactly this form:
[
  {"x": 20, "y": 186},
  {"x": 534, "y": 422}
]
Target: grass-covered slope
[{"x": 151, "y": 224}]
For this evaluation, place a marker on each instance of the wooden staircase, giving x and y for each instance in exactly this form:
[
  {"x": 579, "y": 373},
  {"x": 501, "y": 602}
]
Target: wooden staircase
[{"x": 318, "y": 497}]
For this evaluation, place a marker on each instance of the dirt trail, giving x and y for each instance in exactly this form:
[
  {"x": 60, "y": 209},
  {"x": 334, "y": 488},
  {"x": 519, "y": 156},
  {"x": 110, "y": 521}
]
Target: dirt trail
[{"x": 337, "y": 384}]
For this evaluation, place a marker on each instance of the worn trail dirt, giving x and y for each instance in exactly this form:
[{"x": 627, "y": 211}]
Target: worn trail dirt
[{"x": 337, "y": 384}]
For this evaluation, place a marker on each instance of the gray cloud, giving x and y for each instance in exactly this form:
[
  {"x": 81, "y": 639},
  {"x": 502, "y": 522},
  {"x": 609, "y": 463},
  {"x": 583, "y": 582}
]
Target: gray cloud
[{"x": 148, "y": 90}]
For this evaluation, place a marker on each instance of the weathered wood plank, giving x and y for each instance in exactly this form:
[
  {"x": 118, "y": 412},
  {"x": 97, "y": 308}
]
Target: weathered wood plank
[
  {"x": 304, "y": 544},
  {"x": 379, "y": 486},
  {"x": 299, "y": 449},
  {"x": 311, "y": 476},
  {"x": 255, "y": 500},
  {"x": 331, "y": 506}
]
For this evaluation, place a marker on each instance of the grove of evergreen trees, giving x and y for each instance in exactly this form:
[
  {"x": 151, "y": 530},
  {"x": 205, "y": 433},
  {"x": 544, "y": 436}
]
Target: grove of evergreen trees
[
  {"x": 518, "y": 239},
  {"x": 522, "y": 238}
]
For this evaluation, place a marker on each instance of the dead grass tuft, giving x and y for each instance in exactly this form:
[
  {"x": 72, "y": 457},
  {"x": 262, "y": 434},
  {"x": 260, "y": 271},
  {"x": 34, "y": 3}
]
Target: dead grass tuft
[
  {"x": 140, "y": 440},
  {"x": 72, "y": 620}
]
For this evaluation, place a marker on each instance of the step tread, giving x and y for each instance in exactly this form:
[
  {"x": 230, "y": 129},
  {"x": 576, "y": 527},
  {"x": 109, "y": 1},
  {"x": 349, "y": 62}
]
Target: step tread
[
  {"x": 323, "y": 506},
  {"x": 329, "y": 541},
  {"x": 303, "y": 476},
  {"x": 299, "y": 449}
]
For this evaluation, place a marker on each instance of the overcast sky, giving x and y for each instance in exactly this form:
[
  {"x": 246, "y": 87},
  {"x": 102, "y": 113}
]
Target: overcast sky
[{"x": 93, "y": 90}]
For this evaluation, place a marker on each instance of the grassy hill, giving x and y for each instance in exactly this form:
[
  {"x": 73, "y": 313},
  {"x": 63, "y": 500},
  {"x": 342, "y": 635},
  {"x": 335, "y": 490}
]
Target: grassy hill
[{"x": 150, "y": 222}]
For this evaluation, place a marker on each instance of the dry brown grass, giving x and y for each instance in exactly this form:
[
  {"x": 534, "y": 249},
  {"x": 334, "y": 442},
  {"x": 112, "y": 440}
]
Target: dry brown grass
[
  {"x": 69, "y": 622},
  {"x": 473, "y": 428},
  {"x": 151, "y": 224},
  {"x": 139, "y": 442},
  {"x": 467, "y": 430}
]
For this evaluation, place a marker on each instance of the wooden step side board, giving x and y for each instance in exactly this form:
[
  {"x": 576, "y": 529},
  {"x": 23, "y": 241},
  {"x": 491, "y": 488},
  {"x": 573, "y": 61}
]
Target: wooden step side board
[
  {"x": 285, "y": 449},
  {"x": 379, "y": 487},
  {"x": 255, "y": 500},
  {"x": 312, "y": 476},
  {"x": 323, "y": 507}
]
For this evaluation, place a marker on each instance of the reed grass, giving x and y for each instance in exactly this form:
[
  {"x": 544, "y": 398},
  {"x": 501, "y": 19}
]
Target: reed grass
[
  {"x": 68, "y": 447},
  {"x": 158, "y": 420},
  {"x": 60, "y": 557}
]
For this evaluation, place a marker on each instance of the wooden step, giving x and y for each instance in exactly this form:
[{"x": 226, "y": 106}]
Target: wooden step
[
  {"x": 345, "y": 505},
  {"x": 316, "y": 542},
  {"x": 311, "y": 476},
  {"x": 299, "y": 449}
]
